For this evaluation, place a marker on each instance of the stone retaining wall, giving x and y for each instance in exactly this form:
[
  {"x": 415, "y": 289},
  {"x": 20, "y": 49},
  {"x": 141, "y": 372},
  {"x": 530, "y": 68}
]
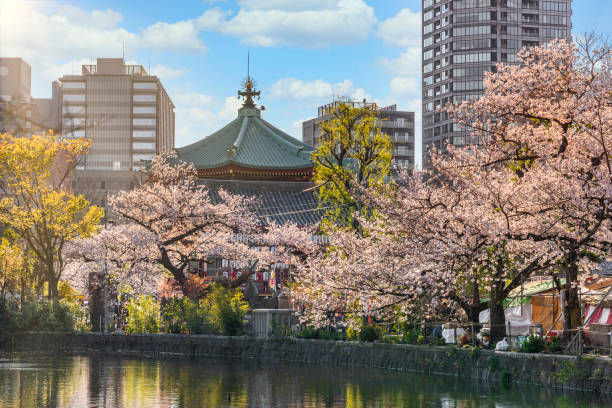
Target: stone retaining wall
[{"x": 585, "y": 373}]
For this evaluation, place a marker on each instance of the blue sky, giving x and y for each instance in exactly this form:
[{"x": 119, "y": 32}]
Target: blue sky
[{"x": 302, "y": 52}]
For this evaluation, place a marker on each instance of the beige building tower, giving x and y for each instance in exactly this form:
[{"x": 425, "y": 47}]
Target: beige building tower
[{"x": 126, "y": 113}]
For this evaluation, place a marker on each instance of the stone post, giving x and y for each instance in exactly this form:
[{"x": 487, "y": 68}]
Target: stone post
[
  {"x": 510, "y": 334},
  {"x": 473, "y": 338}
]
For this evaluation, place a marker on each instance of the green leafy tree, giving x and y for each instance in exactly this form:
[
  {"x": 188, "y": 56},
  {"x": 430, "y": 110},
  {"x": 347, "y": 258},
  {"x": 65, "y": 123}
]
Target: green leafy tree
[
  {"x": 352, "y": 153},
  {"x": 225, "y": 310},
  {"x": 143, "y": 315},
  {"x": 183, "y": 315}
]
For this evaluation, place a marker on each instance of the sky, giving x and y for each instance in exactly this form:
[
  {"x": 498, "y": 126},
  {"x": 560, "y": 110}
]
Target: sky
[{"x": 303, "y": 52}]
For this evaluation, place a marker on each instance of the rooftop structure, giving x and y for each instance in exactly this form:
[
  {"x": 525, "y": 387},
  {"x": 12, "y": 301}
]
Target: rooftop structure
[
  {"x": 398, "y": 125},
  {"x": 249, "y": 148}
]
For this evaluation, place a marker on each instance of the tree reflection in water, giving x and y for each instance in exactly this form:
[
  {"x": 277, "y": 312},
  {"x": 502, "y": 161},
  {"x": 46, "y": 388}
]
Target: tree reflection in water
[{"x": 109, "y": 381}]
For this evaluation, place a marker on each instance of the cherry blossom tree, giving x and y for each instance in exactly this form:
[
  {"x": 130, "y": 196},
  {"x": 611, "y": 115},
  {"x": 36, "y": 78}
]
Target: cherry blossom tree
[
  {"x": 171, "y": 220},
  {"x": 545, "y": 128},
  {"x": 429, "y": 249},
  {"x": 533, "y": 195}
]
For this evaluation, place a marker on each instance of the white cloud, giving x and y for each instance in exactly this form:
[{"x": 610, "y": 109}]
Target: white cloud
[
  {"x": 408, "y": 64},
  {"x": 287, "y": 4},
  {"x": 196, "y": 122},
  {"x": 71, "y": 32},
  {"x": 53, "y": 43},
  {"x": 177, "y": 37},
  {"x": 402, "y": 30},
  {"x": 296, "y": 127},
  {"x": 402, "y": 87},
  {"x": 308, "y": 24},
  {"x": 293, "y": 88},
  {"x": 100, "y": 19},
  {"x": 165, "y": 72},
  {"x": 192, "y": 99}
]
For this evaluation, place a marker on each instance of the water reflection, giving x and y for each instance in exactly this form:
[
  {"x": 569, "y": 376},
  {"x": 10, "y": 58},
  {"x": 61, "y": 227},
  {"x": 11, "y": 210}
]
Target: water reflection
[{"x": 105, "y": 381}]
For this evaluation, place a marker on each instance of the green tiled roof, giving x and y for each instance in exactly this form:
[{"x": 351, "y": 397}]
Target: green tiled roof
[
  {"x": 248, "y": 141},
  {"x": 278, "y": 201}
]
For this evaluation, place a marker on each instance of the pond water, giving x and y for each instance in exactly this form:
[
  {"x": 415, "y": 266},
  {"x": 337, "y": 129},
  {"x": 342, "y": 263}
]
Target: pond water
[{"x": 109, "y": 381}]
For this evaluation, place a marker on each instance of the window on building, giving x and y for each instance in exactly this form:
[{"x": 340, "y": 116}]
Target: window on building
[
  {"x": 74, "y": 85},
  {"x": 473, "y": 57},
  {"x": 143, "y": 121},
  {"x": 145, "y": 85},
  {"x": 553, "y": 19},
  {"x": 531, "y": 31},
  {"x": 143, "y": 134},
  {"x": 70, "y": 121},
  {"x": 554, "y": 6},
  {"x": 467, "y": 4},
  {"x": 509, "y": 17},
  {"x": 74, "y": 97},
  {"x": 143, "y": 145},
  {"x": 471, "y": 30},
  {"x": 554, "y": 33},
  {"x": 148, "y": 110},
  {"x": 73, "y": 134},
  {"x": 145, "y": 98},
  {"x": 473, "y": 17},
  {"x": 73, "y": 109},
  {"x": 474, "y": 43},
  {"x": 143, "y": 156}
]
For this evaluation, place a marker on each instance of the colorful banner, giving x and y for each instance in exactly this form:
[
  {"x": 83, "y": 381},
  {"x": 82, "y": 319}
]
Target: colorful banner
[{"x": 273, "y": 280}]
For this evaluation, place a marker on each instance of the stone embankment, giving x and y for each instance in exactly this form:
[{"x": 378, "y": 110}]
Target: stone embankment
[{"x": 570, "y": 372}]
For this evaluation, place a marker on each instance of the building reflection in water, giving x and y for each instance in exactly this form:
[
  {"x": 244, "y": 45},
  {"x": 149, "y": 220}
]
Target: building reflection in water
[{"x": 105, "y": 381}]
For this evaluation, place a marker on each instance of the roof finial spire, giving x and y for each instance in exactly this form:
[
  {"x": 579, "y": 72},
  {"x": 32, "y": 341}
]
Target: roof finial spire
[{"x": 249, "y": 87}]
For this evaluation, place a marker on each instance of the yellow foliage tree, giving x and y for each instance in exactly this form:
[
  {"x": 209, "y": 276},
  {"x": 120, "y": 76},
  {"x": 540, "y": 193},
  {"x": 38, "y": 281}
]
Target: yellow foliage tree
[
  {"x": 37, "y": 204},
  {"x": 352, "y": 152},
  {"x": 12, "y": 262}
]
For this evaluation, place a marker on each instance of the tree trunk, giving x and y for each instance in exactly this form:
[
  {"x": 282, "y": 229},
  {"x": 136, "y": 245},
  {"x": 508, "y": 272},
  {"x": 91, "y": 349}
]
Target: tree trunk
[
  {"x": 96, "y": 302},
  {"x": 476, "y": 307},
  {"x": 497, "y": 317},
  {"x": 22, "y": 294},
  {"x": 52, "y": 291},
  {"x": 571, "y": 304}
]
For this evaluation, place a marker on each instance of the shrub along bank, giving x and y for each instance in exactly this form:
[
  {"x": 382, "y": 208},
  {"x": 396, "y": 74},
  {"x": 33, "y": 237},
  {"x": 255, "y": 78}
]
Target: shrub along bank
[
  {"x": 41, "y": 315},
  {"x": 222, "y": 311}
]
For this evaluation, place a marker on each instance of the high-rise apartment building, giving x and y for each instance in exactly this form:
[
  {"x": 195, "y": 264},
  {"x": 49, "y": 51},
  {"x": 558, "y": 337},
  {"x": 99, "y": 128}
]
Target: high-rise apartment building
[
  {"x": 462, "y": 39},
  {"x": 128, "y": 116},
  {"x": 399, "y": 125}
]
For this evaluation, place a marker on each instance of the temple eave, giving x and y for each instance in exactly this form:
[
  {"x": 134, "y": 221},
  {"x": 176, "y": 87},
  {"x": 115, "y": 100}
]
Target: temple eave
[{"x": 237, "y": 172}]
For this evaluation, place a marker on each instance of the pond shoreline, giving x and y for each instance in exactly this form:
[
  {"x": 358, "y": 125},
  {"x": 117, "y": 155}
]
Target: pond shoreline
[{"x": 586, "y": 373}]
